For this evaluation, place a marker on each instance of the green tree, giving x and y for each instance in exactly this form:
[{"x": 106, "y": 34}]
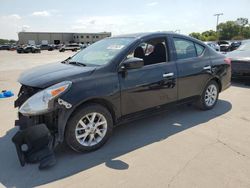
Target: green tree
[
  {"x": 246, "y": 32},
  {"x": 209, "y": 35},
  {"x": 228, "y": 30},
  {"x": 242, "y": 21},
  {"x": 238, "y": 30},
  {"x": 197, "y": 36},
  {"x": 6, "y": 41},
  {"x": 211, "y": 38},
  {"x": 12, "y": 41},
  {"x": 3, "y": 41}
]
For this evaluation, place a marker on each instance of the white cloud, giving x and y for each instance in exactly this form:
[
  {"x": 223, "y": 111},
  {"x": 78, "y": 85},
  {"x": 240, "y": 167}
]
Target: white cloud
[
  {"x": 100, "y": 23},
  {"x": 26, "y": 26},
  {"x": 41, "y": 13},
  {"x": 47, "y": 13},
  {"x": 15, "y": 16},
  {"x": 119, "y": 24},
  {"x": 9, "y": 26},
  {"x": 152, "y": 4},
  {"x": 11, "y": 17}
]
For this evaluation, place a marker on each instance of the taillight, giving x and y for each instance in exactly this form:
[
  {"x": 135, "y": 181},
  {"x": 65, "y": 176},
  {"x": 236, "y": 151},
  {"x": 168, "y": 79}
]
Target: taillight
[{"x": 227, "y": 61}]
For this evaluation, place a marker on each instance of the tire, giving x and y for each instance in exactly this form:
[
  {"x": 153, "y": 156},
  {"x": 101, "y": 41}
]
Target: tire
[
  {"x": 85, "y": 131},
  {"x": 211, "y": 92}
]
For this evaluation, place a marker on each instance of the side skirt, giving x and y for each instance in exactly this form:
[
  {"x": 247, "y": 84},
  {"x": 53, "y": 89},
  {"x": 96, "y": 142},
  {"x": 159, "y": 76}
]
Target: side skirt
[{"x": 154, "y": 111}]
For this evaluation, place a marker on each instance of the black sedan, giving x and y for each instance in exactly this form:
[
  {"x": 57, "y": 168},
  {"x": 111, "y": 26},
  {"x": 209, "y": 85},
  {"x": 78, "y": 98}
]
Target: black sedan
[
  {"x": 240, "y": 59},
  {"x": 81, "y": 99},
  {"x": 4, "y": 47},
  {"x": 28, "y": 49}
]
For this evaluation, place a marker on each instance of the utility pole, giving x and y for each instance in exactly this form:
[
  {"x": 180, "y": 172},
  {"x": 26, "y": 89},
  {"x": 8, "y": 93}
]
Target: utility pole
[{"x": 218, "y": 16}]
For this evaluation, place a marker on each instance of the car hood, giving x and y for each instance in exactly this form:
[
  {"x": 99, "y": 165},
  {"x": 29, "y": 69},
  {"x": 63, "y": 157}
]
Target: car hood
[
  {"x": 239, "y": 55},
  {"x": 47, "y": 75}
]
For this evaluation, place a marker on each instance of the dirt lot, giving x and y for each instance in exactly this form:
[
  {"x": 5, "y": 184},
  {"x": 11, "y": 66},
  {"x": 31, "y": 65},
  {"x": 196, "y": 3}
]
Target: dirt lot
[{"x": 181, "y": 148}]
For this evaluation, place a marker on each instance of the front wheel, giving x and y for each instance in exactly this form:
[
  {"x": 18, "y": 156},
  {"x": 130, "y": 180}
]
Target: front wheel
[
  {"x": 89, "y": 128},
  {"x": 209, "y": 97}
]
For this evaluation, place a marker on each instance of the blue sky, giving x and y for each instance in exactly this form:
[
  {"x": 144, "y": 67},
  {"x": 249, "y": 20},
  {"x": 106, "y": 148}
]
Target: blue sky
[{"x": 116, "y": 16}]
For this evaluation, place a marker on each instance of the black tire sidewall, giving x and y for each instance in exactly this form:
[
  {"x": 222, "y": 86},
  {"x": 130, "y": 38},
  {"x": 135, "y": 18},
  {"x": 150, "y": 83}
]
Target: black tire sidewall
[
  {"x": 77, "y": 115},
  {"x": 204, "y": 106}
]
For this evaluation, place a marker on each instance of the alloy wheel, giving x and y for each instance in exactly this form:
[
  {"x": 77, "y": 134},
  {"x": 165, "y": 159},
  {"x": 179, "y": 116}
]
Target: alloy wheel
[
  {"x": 91, "y": 129},
  {"x": 211, "y": 95}
]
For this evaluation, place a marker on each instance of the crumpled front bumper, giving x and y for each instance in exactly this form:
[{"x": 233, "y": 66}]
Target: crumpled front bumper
[
  {"x": 34, "y": 144},
  {"x": 39, "y": 135}
]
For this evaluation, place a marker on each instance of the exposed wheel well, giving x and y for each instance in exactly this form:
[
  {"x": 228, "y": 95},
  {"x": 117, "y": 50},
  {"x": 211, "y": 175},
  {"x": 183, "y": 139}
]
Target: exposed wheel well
[
  {"x": 102, "y": 102},
  {"x": 218, "y": 82}
]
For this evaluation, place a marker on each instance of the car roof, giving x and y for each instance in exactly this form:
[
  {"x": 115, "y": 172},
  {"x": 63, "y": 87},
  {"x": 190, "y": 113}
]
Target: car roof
[
  {"x": 155, "y": 34},
  {"x": 147, "y": 34}
]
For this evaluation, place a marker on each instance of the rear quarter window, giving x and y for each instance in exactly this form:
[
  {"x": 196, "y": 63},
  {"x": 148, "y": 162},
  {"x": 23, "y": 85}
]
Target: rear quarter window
[{"x": 199, "y": 49}]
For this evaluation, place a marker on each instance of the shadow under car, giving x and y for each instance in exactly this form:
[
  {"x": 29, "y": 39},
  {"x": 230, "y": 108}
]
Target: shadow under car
[{"x": 126, "y": 138}]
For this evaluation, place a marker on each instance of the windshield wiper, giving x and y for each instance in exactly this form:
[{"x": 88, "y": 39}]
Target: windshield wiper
[
  {"x": 66, "y": 61},
  {"x": 76, "y": 63}
]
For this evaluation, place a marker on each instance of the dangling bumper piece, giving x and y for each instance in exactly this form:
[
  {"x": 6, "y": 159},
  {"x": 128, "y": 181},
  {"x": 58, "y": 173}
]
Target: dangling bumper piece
[{"x": 34, "y": 145}]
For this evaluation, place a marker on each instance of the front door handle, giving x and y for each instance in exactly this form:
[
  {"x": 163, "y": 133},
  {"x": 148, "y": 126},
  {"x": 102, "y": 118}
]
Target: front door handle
[
  {"x": 167, "y": 75},
  {"x": 207, "y": 67}
]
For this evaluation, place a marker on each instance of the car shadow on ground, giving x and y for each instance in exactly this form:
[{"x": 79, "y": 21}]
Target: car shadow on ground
[{"x": 126, "y": 138}]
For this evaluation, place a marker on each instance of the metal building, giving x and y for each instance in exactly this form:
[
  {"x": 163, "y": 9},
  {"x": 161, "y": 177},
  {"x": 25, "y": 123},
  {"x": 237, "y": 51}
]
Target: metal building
[{"x": 60, "y": 38}]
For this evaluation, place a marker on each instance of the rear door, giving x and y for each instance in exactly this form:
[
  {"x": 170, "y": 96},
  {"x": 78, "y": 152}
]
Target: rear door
[
  {"x": 149, "y": 86},
  {"x": 194, "y": 66}
]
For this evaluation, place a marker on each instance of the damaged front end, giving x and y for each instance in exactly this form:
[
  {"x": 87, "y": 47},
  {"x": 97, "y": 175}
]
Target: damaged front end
[{"x": 40, "y": 113}]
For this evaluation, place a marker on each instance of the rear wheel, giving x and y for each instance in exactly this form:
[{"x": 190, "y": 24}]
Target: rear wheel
[
  {"x": 209, "y": 96},
  {"x": 89, "y": 128}
]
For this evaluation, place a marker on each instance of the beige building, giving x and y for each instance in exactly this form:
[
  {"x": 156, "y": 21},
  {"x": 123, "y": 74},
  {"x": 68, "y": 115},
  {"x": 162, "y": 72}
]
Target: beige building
[{"x": 60, "y": 38}]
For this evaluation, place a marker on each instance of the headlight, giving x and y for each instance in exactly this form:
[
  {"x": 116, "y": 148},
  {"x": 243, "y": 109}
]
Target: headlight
[{"x": 40, "y": 103}]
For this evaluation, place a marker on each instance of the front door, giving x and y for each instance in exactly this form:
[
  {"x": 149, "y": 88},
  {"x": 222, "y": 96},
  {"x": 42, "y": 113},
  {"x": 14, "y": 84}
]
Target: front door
[{"x": 152, "y": 85}]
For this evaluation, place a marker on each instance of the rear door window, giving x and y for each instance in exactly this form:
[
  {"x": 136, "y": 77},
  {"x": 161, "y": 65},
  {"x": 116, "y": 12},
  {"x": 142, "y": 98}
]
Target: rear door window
[{"x": 184, "y": 48}]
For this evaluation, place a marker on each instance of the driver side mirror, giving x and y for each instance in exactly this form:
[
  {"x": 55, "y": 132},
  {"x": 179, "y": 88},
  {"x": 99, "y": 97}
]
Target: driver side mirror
[{"x": 132, "y": 63}]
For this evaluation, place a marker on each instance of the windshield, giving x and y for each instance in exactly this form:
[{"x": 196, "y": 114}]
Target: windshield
[
  {"x": 245, "y": 46},
  {"x": 100, "y": 53}
]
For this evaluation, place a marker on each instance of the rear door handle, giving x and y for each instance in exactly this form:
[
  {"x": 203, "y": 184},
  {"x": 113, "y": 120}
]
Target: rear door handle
[
  {"x": 168, "y": 75},
  {"x": 207, "y": 67}
]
